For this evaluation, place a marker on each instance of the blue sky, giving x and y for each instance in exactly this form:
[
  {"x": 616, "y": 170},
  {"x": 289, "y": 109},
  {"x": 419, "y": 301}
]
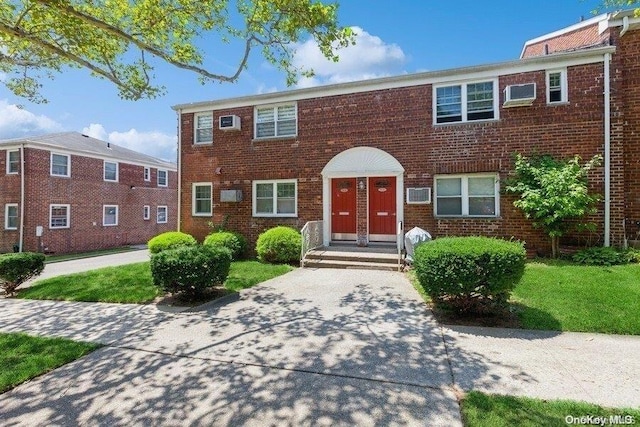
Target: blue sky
[{"x": 393, "y": 38}]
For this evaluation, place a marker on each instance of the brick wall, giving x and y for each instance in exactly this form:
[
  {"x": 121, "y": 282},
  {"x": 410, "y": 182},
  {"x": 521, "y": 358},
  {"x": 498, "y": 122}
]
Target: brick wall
[
  {"x": 399, "y": 121},
  {"x": 582, "y": 37},
  {"x": 86, "y": 192}
]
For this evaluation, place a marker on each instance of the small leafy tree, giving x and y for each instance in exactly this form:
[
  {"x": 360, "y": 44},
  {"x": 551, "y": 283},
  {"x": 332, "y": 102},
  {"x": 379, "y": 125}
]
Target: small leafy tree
[
  {"x": 15, "y": 269},
  {"x": 553, "y": 193}
]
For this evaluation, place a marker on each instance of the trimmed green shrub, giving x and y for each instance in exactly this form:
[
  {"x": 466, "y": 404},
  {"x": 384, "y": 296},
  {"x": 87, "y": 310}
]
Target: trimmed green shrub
[
  {"x": 601, "y": 256},
  {"x": 170, "y": 240},
  {"x": 235, "y": 242},
  {"x": 279, "y": 245},
  {"x": 190, "y": 270},
  {"x": 17, "y": 268},
  {"x": 470, "y": 274}
]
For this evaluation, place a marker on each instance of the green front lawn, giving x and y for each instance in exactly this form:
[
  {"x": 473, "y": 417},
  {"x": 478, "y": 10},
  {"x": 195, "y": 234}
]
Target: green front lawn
[
  {"x": 57, "y": 258},
  {"x": 556, "y": 295},
  {"x": 482, "y": 410},
  {"x": 133, "y": 283},
  {"x": 23, "y": 357}
]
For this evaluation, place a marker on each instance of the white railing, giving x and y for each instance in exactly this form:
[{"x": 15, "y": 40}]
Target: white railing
[
  {"x": 400, "y": 243},
  {"x": 311, "y": 238}
]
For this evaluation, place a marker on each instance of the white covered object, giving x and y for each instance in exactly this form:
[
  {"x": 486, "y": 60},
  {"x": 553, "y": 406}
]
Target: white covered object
[{"x": 414, "y": 238}]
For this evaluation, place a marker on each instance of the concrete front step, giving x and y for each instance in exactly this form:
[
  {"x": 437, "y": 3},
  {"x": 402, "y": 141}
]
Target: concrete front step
[
  {"x": 333, "y": 255},
  {"x": 332, "y": 258},
  {"x": 327, "y": 263}
]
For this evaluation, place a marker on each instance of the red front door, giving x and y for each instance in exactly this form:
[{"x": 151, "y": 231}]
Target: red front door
[
  {"x": 343, "y": 209},
  {"x": 382, "y": 208}
]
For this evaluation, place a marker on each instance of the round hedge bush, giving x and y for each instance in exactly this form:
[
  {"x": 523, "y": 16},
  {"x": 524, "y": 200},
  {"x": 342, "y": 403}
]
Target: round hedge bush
[
  {"x": 279, "y": 245},
  {"x": 170, "y": 240},
  {"x": 235, "y": 242},
  {"x": 470, "y": 274},
  {"x": 17, "y": 268},
  {"x": 190, "y": 270}
]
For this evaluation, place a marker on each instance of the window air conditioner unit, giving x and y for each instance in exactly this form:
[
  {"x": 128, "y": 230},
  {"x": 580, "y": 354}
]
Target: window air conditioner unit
[
  {"x": 230, "y": 195},
  {"x": 229, "y": 122},
  {"x": 519, "y": 95},
  {"x": 419, "y": 196}
]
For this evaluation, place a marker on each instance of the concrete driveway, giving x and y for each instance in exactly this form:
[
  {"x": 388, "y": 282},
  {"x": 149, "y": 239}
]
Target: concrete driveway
[
  {"x": 312, "y": 347},
  {"x": 325, "y": 347}
]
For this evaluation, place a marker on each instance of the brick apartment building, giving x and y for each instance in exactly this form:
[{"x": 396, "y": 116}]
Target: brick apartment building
[
  {"x": 81, "y": 194},
  {"x": 429, "y": 149}
]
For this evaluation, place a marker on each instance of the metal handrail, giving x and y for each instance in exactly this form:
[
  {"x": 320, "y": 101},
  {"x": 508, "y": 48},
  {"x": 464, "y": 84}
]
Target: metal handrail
[
  {"x": 400, "y": 243},
  {"x": 311, "y": 238}
]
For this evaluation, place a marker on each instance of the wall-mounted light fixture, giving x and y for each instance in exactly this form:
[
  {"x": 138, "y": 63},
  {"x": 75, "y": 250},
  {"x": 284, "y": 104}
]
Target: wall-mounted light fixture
[{"x": 361, "y": 184}]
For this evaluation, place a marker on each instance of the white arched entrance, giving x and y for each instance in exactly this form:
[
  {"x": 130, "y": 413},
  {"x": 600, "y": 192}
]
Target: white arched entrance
[{"x": 366, "y": 167}]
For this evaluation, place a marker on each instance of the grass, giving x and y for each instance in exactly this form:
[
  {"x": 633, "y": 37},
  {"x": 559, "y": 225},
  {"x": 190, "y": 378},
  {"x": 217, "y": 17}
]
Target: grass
[
  {"x": 130, "y": 283},
  {"x": 57, "y": 258},
  {"x": 563, "y": 296},
  {"x": 24, "y": 357},
  {"x": 556, "y": 295},
  {"x": 133, "y": 283},
  {"x": 245, "y": 274},
  {"x": 483, "y": 410}
]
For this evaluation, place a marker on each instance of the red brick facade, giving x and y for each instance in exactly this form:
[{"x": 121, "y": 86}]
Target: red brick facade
[
  {"x": 398, "y": 119},
  {"x": 86, "y": 192}
]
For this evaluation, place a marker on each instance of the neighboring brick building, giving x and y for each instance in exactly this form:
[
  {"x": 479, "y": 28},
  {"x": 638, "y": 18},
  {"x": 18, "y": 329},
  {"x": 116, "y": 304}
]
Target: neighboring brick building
[
  {"x": 429, "y": 149},
  {"x": 84, "y": 193}
]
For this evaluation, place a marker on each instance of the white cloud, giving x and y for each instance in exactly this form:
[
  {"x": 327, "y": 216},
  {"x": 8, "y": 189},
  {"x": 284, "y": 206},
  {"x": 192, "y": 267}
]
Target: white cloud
[
  {"x": 153, "y": 143},
  {"x": 16, "y": 122},
  {"x": 369, "y": 58}
]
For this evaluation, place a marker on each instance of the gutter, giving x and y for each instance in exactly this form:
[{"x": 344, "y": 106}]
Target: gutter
[
  {"x": 607, "y": 150},
  {"x": 179, "y": 214},
  {"x": 625, "y": 26},
  {"x": 22, "y": 197}
]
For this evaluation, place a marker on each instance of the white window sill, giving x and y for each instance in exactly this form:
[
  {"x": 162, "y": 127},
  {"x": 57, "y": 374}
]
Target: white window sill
[
  {"x": 274, "y": 138},
  {"x": 275, "y": 216},
  {"x": 202, "y": 215},
  {"x": 467, "y": 122}
]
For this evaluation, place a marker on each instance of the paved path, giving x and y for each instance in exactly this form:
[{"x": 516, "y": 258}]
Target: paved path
[{"x": 323, "y": 347}]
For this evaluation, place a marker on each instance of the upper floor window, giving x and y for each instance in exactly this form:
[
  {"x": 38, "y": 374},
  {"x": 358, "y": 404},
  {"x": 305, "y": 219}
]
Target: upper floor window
[
  {"x": 109, "y": 215},
  {"x": 162, "y": 178},
  {"x": 557, "y": 90},
  {"x": 276, "y": 121},
  {"x": 466, "y": 102},
  {"x": 203, "y": 131},
  {"x": 11, "y": 216},
  {"x": 146, "y": 212},
  {"x": 275, "y": 198},
  {"x": 467, "y": 195},
  {"x": 60, "y": 164},
  {"x": 147, "y": 173},
  {"x": 202, "y": 198},
  {"x": 59, "y": 216},
  {"x": 13, "y": 161},
  {"x": 110, "y": 171}
]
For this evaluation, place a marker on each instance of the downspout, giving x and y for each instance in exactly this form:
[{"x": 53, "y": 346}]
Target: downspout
[
  {"x": 607, "y": 150},
  {"x": 179, "y": 215},
  {"x": 22, "y": 198},
  {"x": 625, "y": 26}
]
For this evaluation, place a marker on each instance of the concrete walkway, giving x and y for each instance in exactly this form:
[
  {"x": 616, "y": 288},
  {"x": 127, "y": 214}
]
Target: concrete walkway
[{"x": 323, "y": 347}]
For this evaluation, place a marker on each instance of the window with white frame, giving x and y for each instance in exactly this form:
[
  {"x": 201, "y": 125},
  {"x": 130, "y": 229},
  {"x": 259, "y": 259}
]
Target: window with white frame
[
  {"x": 110, "y": 171},
  {"x": 109, "y": 215},
  {"x": 162, "y": 178},
  {"x": 13, "y": 161},
  {"x": 467, "y": 195},
  {"x": 275, "y": 198},
  {"x": 161, "y": 215},
  {"x": 147, "y": 173},
  {"x": 203, "y": 132},
  {"x": 60, "y": 165},
  {"x": 202, "y": 198},
  {"x": 276, "y": 121},
  {"x": 557, "y": 90},
  {"x": 466, "y": 102},
  {"x": 11, "y": 216},
  {"x": 146, "y": 212},
  {"x": 59, "y": 216}
]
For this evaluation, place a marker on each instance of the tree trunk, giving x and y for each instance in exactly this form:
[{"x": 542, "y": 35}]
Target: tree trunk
[{"x": 554, "y": 247}]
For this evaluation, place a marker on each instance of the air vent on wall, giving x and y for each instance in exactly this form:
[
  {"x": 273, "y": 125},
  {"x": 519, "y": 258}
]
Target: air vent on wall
[
  {"x": 519, "y": 95},
  {"x": 229, "y": 122},
  {"x": 231, "y": 195},
  {"x": 419, "y": 196}
]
